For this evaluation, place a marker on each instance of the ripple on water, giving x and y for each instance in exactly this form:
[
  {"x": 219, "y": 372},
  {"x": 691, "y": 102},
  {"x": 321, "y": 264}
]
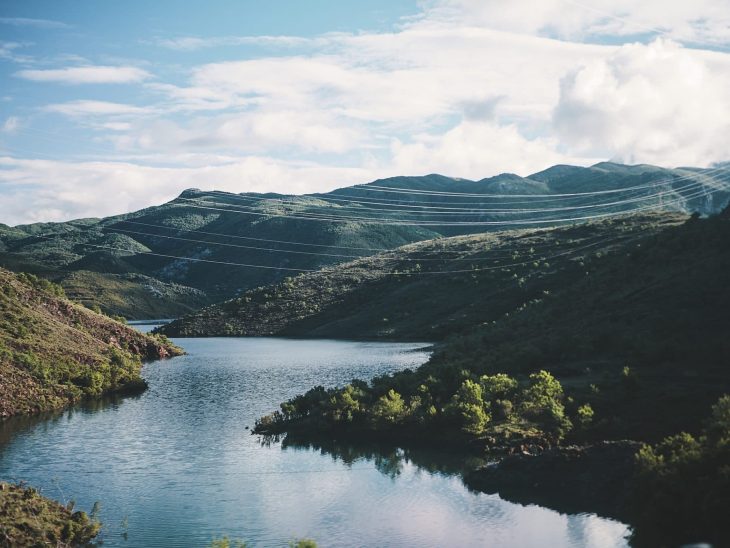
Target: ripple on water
[{"x": 177, "y": 464}]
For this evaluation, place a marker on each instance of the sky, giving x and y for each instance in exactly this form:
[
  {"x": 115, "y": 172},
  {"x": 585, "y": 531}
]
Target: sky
[{"x": 108, "y": 107}]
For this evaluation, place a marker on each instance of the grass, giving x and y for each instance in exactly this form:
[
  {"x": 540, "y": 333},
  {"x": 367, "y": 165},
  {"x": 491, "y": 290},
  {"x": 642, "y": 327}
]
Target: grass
[
  {"x": 29, "y": 519},
  {"x": 54, "y": 352}
]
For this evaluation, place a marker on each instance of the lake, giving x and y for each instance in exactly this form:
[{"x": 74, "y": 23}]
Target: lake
[{"x": 176, "y": 466}]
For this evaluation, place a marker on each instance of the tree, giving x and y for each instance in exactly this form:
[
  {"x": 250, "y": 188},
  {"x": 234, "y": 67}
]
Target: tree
[
  {"x": 499, "y": 386},
  {"x": 543, "y": 403},
  {"x": 388, "y": 410},
  {"x": 345, "y": 404},
  {"x": 469, "y": 406}
]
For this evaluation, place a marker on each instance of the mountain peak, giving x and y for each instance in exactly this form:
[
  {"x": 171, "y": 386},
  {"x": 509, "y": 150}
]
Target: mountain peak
[{"x": 190, "y": 193}]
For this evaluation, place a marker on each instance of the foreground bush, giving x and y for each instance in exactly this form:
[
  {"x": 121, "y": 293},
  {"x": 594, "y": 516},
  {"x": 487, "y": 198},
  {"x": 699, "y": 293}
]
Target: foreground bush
[
  {"x": 29, "y": 519},
  {"x": 683, "y": 490}
]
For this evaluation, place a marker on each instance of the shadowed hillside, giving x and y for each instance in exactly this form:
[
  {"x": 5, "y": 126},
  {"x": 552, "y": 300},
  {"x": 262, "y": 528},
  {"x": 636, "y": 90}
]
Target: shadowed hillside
[
  {"x": 638, "y": 333},
  {"x": 423, "y": 291}
]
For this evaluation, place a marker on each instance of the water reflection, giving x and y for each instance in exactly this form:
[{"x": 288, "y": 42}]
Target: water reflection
[
  {"x": 388, "y": 459},
  {"x": 177, "y": 466},
  {"x": 48, "y": 420}
]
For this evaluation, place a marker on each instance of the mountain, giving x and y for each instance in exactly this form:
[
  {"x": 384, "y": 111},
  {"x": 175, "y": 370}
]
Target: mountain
[
  {"x": 207, "y": 246},
  {"x": 54, "y": 352},
  {"x": 427, "y": 290}
]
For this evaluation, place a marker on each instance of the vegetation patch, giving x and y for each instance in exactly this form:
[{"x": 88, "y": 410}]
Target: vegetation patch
[
  {"x": 29, "y": 519},
  {"x": 54, "y": 352}
]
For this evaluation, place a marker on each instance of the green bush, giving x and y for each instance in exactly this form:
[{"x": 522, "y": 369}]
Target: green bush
[
  {"x": 543, "y": 403},
  {"x": 388, "y": 410},
  {"x": 682, "y": 490},
  {"x": 585, "y": 415},
  {"x": 469, "y": 408}
]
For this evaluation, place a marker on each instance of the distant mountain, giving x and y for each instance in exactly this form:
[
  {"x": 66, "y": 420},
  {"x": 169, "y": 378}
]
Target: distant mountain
[
  {"x": 138, "y": 264},
  {"x": 54, "y": 352}
]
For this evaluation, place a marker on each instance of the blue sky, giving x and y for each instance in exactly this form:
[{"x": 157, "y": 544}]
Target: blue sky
[{"x": 107, "y": 107}]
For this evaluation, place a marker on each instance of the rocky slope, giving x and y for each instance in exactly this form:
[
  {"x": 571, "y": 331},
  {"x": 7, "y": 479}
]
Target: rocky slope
[
  {"x": 54, "y": 352},
  {"x": 29, "y": 519}
]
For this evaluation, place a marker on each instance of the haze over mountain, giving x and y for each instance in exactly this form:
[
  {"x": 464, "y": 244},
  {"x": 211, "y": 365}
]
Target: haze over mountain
[{"x": 206, "y": 246}]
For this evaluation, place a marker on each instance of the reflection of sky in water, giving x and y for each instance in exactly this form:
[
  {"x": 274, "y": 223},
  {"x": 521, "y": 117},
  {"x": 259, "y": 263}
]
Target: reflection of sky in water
[{"x": 178, "y": 462}]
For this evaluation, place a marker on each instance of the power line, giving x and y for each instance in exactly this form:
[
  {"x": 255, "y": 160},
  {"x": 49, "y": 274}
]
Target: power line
[
  {"x": 121, "y": 230},
  {"x": 380, "y": 256},
  {"x": 464, "y": 211},
  {"x": 256, "y": 239},
  {"x": 339, "y": 219},
  {"x": 224, "y": 235}
]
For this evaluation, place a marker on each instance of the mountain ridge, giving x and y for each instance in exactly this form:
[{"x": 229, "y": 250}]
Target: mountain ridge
[{"x": 200, "y": 242}]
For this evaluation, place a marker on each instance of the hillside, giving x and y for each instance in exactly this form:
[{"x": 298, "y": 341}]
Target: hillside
[
  {"x": 635, "y": 348},
  {"x": 27, "y": 518},
  {"x": 423, "y": 291},
  {"x": 207, "y": 246},
  {"x": 639, "y": 335},
  {"x": 54, "y": 352}
]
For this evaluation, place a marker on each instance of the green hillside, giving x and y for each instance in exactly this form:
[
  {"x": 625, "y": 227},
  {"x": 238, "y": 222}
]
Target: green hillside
[
  {"x": 637, "y": 331},
  {"x": 54, "y": 352},
  {"x": 423, "y": 291},
  {"x": 139, "y": 264}
]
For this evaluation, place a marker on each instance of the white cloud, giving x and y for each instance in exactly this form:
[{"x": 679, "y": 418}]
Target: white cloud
[
  {"x": 474, "y": 149},
  {"x": 192, "y": 43},
  {"x": 87, "y": 75},
  {"x": 117, "y": 126},
  {"x": 357, "y": 95},
  {"x": 11, "y": 124},
  {"x": 656, "y": 103},
  {"x": 433, "y": 73},
  {"x": 95, "y": 108},
  {"x": 65, "y": 190},
  {"x": 259, "y": 131},
  {"x": 699, "y": 21},
  {"x": 8, "y": 51},
  {"x": 28, "y": 22}
]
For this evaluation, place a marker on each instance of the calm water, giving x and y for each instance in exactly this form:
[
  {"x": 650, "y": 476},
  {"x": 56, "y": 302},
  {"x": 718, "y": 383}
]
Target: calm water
[{"x": 176, "y": 466}]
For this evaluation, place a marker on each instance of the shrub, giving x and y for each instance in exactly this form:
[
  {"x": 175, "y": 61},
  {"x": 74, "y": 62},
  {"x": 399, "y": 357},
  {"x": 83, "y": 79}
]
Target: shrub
[
  {"x": 682, "y": 490},
  {"x": 389, "y": 409},
  {"x": 468, "y": 405},
  {"x": 345, "y": 404},
  {"x": 543, "y": 403},
  {"x": 498, "y": 386}
]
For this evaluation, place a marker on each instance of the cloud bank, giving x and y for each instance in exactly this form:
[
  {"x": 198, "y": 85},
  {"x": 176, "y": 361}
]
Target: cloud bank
[{"x": 467, "y": 88}]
